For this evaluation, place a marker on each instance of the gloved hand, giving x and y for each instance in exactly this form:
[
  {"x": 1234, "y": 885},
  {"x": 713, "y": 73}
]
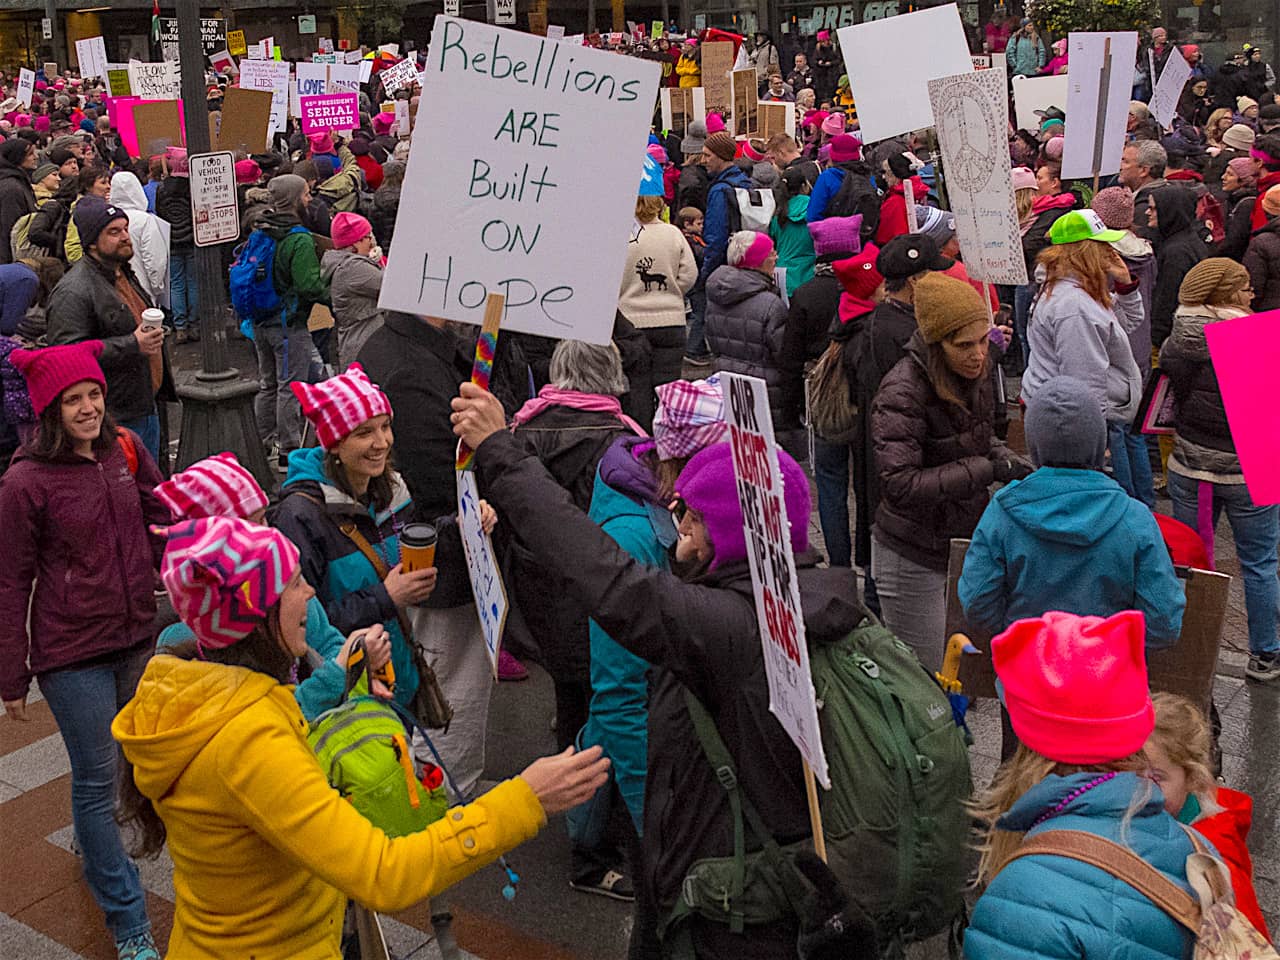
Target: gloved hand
[
  {"x": 1006, "y": 469},
  {"x": 836, "y": 928}
]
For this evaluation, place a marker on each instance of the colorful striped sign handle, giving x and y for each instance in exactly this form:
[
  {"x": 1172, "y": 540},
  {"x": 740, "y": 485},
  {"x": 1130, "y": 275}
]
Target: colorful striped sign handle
[{"x": 482, "y": 368}]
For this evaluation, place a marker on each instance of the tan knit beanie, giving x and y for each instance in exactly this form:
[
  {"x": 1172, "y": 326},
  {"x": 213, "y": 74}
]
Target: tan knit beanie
[
  {"x": 1213, "y": 281},
  {"x": 1271, "y": 201},
  {"x": 722, "y": 145},
  {"x": 944, "y": 305}
]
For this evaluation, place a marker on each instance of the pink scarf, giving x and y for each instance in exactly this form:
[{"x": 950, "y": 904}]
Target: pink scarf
[{"x": 552, "y": 396}]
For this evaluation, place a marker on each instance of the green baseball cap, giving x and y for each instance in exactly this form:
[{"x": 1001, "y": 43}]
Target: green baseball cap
[{"x": 1082, "y": 225}]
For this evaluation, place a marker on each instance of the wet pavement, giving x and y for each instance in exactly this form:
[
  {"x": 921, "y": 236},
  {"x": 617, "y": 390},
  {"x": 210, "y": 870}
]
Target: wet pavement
[{"x": 47, "y": 912}]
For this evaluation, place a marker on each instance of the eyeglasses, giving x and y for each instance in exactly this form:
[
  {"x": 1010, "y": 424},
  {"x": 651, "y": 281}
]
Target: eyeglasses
[{"x": 678, "y": 509}]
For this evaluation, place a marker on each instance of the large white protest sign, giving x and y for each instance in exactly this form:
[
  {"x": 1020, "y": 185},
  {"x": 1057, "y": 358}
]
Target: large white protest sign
[
  {"x": 272, "y": 75},
  {"x": 155, "y": 81},
  {"x": 1164, "y": 101},
  {"x": 970, "y": 111},
  {"x": 313, "y": 78},
  {"x": 773, "y": 565},
  {"x": 530, "y": 117},
  {"x": 344, "y": 78},
  {"x": 482, "y": 566},
  {"x": 891, "y": 97},
  {"x": 399, "y": 75},
  {"x": 1037, "y": 93},
  {"x": 91, "y": 53},
  {"x": 1097, "y": 114},
  {"x": 26, "y": 85}
]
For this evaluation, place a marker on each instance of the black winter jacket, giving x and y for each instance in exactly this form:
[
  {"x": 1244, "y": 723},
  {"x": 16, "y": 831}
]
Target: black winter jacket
[
  {"x": 85, "y": 306},
  {"x": 806, "y": 335},
  {"x": 934, "y": 460},
  {"x": 386, "y": 204},
  {"x": 173, "y": 204},
  {"x": 691, "y": 188},
  {"x": 1180, "y": 249},
  {"x": 1199, "y": 413},
  {"x": 702, "y": 635},
  {"x": 1239, "y": 208},
  {"x": 745, "y": 322},
  {"x": 1262, "y": 260},
  {"x": 17, "y": 197},
  {"x": 49, "y": 225}
]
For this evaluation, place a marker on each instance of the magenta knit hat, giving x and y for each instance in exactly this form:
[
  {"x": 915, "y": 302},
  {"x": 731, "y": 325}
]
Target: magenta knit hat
[
  {"x": 1024, "y": 178},
  {"x": 756, "y": 253},
  {"x": 321, "y": 142},
  {"x": 715, "y": 123},
  {"x": 348, "y": 228},
  {"x": 837, "y": 235},
  {"x": 340, "y": 404},
  {"x": 1076, "y": 687},
  {"x": 50, "y": 370},
  {"x": 383, "y": 122},
  {"x": 248, "y": 172},
  {"x": 690, "y": 416},
  {"x": 41, "y": 123},
  {"x": 224, "y": 575},
  {"x": 1114, "y": 207},
  {"x": 175, "y": 159},
  {"x": 1053, "y": 148},
  {"x": 845, "y": 148},
  {"x": 216, "y": 486},
  {"x": 1245, "y": 169},
  {"x": 707, "y": 485},
  {"x": 833, "y": 124}
]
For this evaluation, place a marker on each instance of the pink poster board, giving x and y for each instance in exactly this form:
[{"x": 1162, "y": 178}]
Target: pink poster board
[
  {"x": 329, "y": 111},
  {"x": 1246, "y": 358},
  {"x": 120, "y": 112}
]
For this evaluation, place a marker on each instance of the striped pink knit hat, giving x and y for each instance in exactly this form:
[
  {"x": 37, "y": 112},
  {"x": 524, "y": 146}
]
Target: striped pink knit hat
[
  {"x": 340, "y": 404},
  {"x": 223, "y": 575},
  {"x": 217, "y": 486}
]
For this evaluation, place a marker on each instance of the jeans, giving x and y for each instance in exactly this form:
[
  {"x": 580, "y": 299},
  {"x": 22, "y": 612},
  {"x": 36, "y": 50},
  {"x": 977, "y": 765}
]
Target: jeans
[
  {"x": 831, "y": 471},
  {"x": 182, "y": 288},
  {"x": 697, "y": 342},
  {"x": 1022, "y": 297},
  {"x": 913, "y": 603},
  {"x": 284, "y": 355},
  {"x": 1256, "y": 531},
  {"x": 1130, "y": 465},
  {"x": 84, "y": 701},
  {"x": 148, "y": 430}
]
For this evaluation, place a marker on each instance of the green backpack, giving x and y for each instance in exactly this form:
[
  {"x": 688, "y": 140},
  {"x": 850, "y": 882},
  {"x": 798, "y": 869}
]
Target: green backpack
[
  {"x": 896, "y": 828},
  {"x": 364, "y": 750}
]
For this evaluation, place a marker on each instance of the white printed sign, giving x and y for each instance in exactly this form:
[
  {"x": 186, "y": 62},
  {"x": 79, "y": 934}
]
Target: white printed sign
[
  {"x": 215, "y": 213},
  {"x": 1083, "y": 154},
  {"x": 26, "y": 85},
  {"x": 773, "y": 565},
  {"x": 155, "y": 81},
  {"x": 892, "y": 100},
  {"x": 1164, "y": 101},
  {"x": 555, "y": 31},
  {"x": 970, "y": 111},
  {"x": 270, "y": 75},
  {"x": 92, "y": 56},
  {"x": 353, "y": 57},
  {"x": 366, "y": 70},
  {"x": 344, "y": 78},
  {"x": 452, "y": 8},
  {"x": 1037, "y": 93},
  {"x": 531, "y": 118},
  {"x": 313, "y": 78},
  {"x": 399, "y": 75},
  {"x": 504, "y": 11},
  {"x": 482, "y": 566},
  {"x": 403, "y": 121}
]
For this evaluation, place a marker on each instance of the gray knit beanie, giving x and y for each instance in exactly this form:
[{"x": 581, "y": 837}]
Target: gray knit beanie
[{"x": 286, "y": 191}]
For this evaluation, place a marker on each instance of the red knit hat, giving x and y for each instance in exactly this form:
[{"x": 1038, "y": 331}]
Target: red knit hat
[
  {"x": 1076, "y": 687},
  {"x": 340, "y": 404},
  {"x": 51, "y": 370},
  {"x": 217, "y": 486}
]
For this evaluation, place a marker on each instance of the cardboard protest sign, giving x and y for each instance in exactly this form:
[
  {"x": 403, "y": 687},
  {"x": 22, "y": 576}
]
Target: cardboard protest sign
[
  {"x": 1099, "y": 110},
  {"x": 246, "y": 118},
  {"x": 717, "y": 66},
  {"x": 1164, "y": 100},
  {"x": 746, "y": 117},
  {"x": 155, "y": 81},
  {"x": 157, "y": 124},
  {"x": 892, "y": 100},
  {"x": 681, "y": 106},
  {"x": 236, "y": 45},
  {"x": 91, "y": 54},
  {"x": 530, "y": 117},
  {"x": 399, "y": 75},
  {"x": 777, "y": 118},
  {"x": 273, "y": 76},
  {"x": 50, "y": 71},
  {"x": 329, "y": 111},
  {"x": 487, "y": 589},
  {"x": 26, "y": 85},
  {"x": 1246, "y": 355},
  {"x": 1037, "y": 93},
  {"x": 773, "y": 566},
  {"x": 215, "y": 212},
  {"x": 969, "y": 112}
]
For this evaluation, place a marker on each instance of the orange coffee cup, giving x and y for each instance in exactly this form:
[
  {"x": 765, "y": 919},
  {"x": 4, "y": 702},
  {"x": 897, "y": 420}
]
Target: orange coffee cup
[{"x": 418, "y": 547}]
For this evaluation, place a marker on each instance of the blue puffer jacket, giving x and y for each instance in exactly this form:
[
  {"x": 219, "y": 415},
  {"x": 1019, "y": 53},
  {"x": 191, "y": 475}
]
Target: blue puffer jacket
[
  {"x": 1069, "y": 540},
  {"x": 721, "y": 218},
  {"x": 346, "y": 583},
  {"x": 1052, "y": 908},
  {"x": 624, "y": 505}
]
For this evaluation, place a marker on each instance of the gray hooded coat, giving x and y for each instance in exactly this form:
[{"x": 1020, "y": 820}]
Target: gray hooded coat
[
  {"x": 745, "y": 322},
  {"x": 354, "y": 284}
]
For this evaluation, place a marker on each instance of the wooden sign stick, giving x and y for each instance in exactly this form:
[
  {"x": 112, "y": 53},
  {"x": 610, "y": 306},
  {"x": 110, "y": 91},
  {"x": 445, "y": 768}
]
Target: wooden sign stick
[
  {"x": 482, "y": 367},
  {"x": 1104, "y": 91},
  {"x": 815, "y": 812}
]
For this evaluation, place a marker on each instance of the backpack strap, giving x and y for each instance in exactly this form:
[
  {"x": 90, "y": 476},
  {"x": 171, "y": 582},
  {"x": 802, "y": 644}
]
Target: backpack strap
[
  {"x": 1123, "y": 864},
  {"x": 128, "y": 448}
]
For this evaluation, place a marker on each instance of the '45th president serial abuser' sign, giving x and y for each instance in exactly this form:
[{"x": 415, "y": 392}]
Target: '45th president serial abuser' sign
[{"x": 536, "y": 196}]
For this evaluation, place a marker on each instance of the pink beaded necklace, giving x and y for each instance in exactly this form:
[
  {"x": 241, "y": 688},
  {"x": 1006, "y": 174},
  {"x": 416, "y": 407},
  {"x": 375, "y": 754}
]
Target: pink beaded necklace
[{"x": 1073, "y": 796}]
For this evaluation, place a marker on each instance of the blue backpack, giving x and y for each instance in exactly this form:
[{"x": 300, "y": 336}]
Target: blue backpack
[{"x": 252, "y": 277}]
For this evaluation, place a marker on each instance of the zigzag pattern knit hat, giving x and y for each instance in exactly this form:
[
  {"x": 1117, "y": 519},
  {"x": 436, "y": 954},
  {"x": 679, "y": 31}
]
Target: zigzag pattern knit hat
[
  {"x": 223, "y": 575},
  {"x": 340, "y": 404}
]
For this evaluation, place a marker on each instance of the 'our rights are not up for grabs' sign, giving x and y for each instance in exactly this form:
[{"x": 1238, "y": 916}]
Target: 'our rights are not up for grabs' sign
[{"x": 503, "y": 211}]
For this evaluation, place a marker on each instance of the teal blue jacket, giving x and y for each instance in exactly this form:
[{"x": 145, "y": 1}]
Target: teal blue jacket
[
  {"x": 1069, "y": 540},
  {"x": 791, "y": 237},
  {"x": 1052, "y": 908},
  {"x": 323, "y": 689}
]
